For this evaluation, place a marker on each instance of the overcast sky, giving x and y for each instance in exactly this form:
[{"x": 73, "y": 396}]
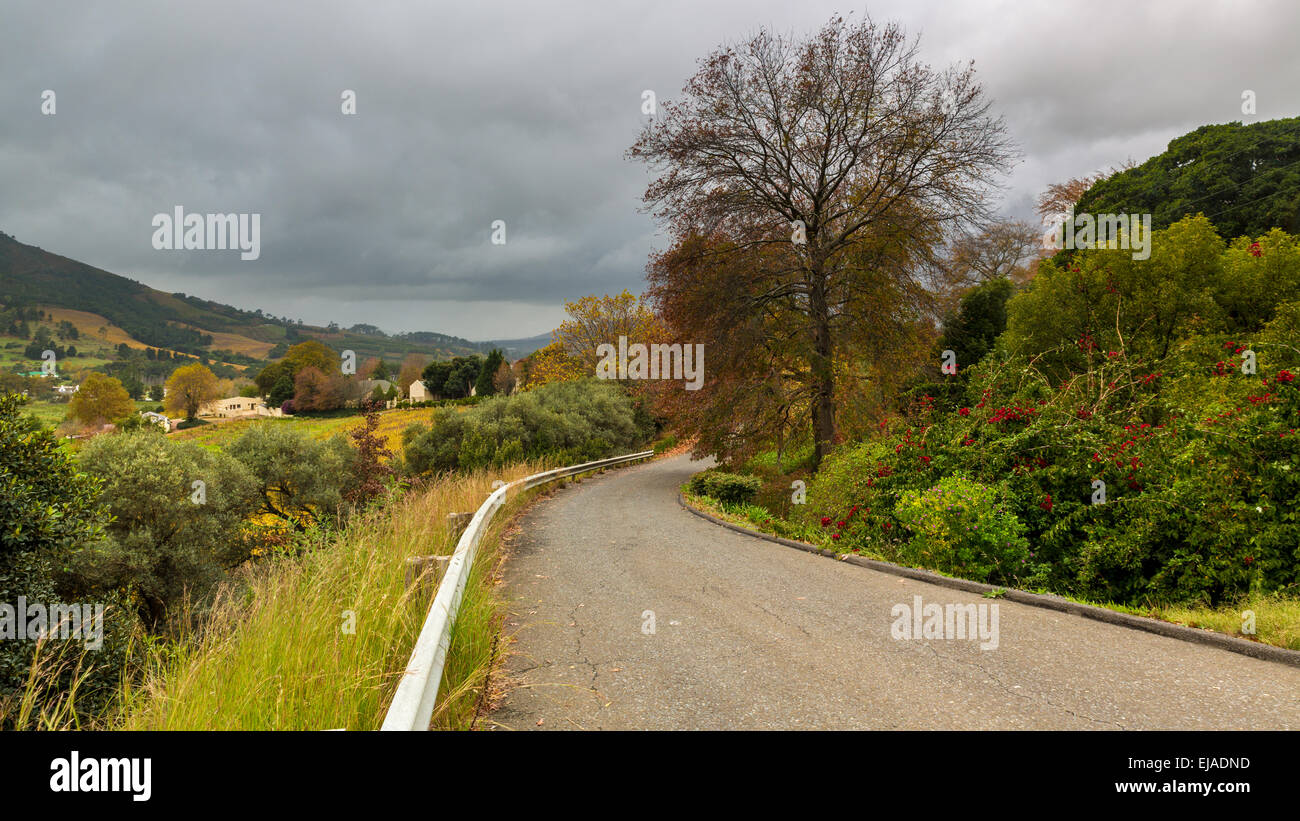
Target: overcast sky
[{"x": 520, "y": 111}]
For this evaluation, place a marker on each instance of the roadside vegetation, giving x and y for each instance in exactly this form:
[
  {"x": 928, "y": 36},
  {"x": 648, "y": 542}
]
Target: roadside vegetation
[
  {"x": 1143, "y": 466},
  {"x": 257, "y": 580},
  {"x": 321, "y": 641}
]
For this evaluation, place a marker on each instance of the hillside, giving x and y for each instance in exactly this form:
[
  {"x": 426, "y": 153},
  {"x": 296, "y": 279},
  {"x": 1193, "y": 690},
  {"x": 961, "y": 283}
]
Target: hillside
[
  {"x": 142, "y": 316},
  {"x": 1244, "y": 178},
  {"x": 519, "y": 348}
]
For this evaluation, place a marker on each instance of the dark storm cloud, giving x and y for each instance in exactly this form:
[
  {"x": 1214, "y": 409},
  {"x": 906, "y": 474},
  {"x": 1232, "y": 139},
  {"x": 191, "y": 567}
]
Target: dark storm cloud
[{"x": 470, "y": 113}]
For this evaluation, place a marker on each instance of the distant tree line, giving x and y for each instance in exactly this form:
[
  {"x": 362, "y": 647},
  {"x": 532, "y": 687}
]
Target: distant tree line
[{"x": 456, "y": 378}]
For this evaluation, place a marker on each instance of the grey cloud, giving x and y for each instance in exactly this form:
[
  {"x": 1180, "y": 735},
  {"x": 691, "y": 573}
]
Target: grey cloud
[{"x": 468, "y": 113}]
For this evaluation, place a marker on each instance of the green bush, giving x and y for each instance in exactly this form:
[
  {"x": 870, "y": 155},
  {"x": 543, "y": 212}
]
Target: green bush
[
  {"x": 563, "y": 422},
  {"x": 169, "y": 537},
  {"x": 47, "y": 508},
  {"x": 665, "y": 444},
  {"x": 1200, "y": 463},
  {"x": 962, "y": 526},
  {"x": 728, "y": 488},
  {"x": 300, "y": 480}
]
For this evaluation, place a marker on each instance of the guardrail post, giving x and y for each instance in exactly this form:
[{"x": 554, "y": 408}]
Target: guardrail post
[
  {"x": 426, "y": 572},
  {"x": 456, "y": 524}
]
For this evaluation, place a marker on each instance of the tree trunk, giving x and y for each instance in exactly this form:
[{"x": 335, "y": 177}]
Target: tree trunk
[
  {"x": 823, "y": 403},
  {"x": 152, "y": 611}
]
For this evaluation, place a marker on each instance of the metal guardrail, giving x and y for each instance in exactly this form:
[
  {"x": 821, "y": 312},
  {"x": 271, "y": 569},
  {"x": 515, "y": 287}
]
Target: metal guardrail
[{"x": 413, "y": 703}]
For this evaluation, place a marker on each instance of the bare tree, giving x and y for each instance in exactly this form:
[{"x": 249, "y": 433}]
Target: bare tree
[
  {"x": 844, "y": 150},
  {"x": 1008, "y": 248},
  {"x": 1060, "y": 197}
]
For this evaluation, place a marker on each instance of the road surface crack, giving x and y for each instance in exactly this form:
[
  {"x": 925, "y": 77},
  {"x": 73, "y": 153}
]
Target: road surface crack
[{"x": 1011, "y": 691}]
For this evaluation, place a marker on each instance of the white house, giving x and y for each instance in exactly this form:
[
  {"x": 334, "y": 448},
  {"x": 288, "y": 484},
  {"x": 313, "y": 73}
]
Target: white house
[
  {"x": 158, "y": 419},
  {"x": 417, "y": 392},
  {"x": 236, "y": 407}
]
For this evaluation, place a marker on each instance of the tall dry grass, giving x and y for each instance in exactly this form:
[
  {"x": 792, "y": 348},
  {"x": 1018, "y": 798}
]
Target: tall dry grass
[{"x": 277, "y": 652}]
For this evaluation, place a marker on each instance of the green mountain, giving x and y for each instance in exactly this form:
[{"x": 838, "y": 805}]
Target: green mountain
[
  {"x": 31, "y": 276},
  {"x": 1244, "y": 178}
]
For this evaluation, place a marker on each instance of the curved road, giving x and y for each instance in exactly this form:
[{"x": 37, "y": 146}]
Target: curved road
[{"x": 754, "y": 635}]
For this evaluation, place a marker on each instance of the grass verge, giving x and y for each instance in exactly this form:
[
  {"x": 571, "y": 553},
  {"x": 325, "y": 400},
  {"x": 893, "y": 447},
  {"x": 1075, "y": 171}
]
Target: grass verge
[{"x": 320, "y": 642}]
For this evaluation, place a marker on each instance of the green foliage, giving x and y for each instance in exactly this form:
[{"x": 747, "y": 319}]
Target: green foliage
[
  {"x": 979, "y": 321},
  {"x": 281, "y": 389},
  {"x": 961, "y": 526},
  {"x": 665, "y": 444},
  {"x": 453, "y": 379},
  {"x": 728, "y": 488},
  {"x": 563, "y": 422},
  {"x": 1199, "y": 460},
  {"x": 483, "y": 384},
  {"x": 435, "y": 377},
  {"x": 1257, "y": 278},
  {"x": 47, "y": 507},
  {"x": 298, "y": 479},
  {"x": 272, "y": 376},
  {"x": 169, "y": 538},
  {"x": 1103, "y": 299},
  {"x": 45, "y": 502},
  {"x": 1245, "y": 178},
  {"x": 464, "y": 374}
]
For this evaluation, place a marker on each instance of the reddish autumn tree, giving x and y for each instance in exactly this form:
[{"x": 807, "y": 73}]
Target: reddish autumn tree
[
  {"x": 368, "y": 368},
  {"x": 369, "y": 470},
  {"x": 315, "y": 390},
  {"x": 842, "y": 157},
  {"x": 758, "y": 387},
  {"x": 756, "y": 383}
]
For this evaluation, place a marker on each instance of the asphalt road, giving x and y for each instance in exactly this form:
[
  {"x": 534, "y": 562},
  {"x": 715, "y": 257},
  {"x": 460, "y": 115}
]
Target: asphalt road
[{"x": 748, "y": 634}]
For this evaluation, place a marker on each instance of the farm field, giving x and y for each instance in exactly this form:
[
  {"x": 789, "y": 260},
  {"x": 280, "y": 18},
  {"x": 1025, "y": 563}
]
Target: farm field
[
  {"x": 99, "y": 338},
  {"x": 391, "y": 424},
  {"x": 11, "y": 354},
  {"x": 51, "y": 414},
  {"x": 235, "y": 342}
]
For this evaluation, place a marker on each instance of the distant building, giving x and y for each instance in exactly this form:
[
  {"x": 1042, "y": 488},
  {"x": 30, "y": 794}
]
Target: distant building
[
  {"x": 417, "y": 392},
  {"x": 66, "y": 390},
  {"x": 368, "y": 386},
  {"x": 166, "y": 424},
  {"x": 237, "y": 407}
]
